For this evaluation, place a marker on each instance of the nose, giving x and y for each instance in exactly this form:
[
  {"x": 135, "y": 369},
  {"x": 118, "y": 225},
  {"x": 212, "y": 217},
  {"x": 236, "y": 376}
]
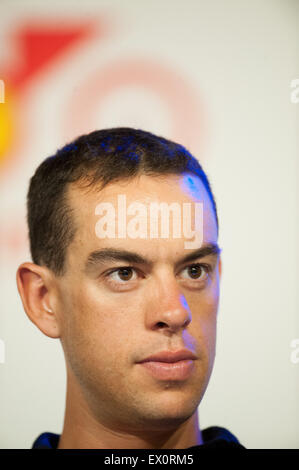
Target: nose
[{"x": 168, "y": 309}]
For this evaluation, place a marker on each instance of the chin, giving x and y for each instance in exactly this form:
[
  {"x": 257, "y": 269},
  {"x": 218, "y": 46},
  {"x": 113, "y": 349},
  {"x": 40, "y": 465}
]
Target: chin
[
  {"x": 165, "y": 421},
  {"x": 171, "y": 411}
]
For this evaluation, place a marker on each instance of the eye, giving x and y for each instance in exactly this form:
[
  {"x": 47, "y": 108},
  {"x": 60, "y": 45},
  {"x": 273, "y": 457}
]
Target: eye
[
  {"x": 122, "y": 274},
  {"x": 197, "y": 272}
]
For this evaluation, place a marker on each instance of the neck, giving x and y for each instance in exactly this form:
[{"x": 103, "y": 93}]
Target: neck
[{"x": 84, "y": 430}]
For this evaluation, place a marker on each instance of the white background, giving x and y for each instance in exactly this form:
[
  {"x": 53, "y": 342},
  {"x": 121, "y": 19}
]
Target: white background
[{"x": 238, "y": 58}]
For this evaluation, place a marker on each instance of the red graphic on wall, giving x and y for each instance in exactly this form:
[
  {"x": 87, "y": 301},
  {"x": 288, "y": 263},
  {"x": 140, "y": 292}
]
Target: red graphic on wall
[
  {"x": 41, "y": 47},
  {"x": 38, "y": 47},
  {"x": 168, "y": 86}
]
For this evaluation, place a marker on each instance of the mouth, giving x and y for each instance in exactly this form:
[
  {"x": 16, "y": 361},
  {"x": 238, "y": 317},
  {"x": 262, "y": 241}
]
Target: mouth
[{"x": 168, "y": 365}]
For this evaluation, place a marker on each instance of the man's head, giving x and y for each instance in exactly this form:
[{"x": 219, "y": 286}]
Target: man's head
[
  {"x": 114, "y": 302},
  {"x": 95, "y": 160}
]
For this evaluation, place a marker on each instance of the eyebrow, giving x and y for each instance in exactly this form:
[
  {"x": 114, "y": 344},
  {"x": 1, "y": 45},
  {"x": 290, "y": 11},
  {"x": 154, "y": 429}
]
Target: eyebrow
[{"x": 112, "y": 254}]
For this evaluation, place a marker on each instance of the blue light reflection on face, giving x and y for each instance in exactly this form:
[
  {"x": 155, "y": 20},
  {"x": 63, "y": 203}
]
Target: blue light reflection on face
[
  {"x": 189, "y": 184},
  {"x": 184, "y": 302},
  {"x": 189, "y": 341}
]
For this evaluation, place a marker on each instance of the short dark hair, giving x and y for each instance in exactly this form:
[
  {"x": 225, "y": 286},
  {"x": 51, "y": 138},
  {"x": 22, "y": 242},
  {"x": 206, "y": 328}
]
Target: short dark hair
[{"x": 100, "y": 157}]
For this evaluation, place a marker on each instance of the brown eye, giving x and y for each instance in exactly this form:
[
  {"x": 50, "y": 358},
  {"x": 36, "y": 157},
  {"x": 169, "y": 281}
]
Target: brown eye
[
  {"x": 125, "y": 274},
  {"x": 122, "y": 275},
  {"x": 195, "y": 271}
]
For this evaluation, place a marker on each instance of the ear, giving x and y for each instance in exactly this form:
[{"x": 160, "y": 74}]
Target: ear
[{"x": 34, "y": 285}]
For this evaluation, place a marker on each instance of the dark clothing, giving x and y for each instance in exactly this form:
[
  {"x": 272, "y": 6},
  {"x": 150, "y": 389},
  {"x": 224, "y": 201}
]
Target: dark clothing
[{"x": 213, "y": 437}]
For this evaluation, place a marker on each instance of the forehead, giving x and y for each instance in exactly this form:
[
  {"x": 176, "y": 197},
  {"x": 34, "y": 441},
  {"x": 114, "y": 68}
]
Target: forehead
[{"x": 143, "y": 189}]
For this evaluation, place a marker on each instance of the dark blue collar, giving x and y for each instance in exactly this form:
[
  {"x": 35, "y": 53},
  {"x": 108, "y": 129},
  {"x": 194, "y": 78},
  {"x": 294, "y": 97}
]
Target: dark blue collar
[{"x": 214, "y": 436}]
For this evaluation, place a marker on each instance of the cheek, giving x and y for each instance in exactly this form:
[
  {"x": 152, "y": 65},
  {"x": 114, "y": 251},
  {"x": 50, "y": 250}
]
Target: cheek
[
  {"x": 210, "y": 325},
  {"x": 204, "y": 307},
  {"x": 99, "y": 325},
  {"x": 211, "y": 306}
]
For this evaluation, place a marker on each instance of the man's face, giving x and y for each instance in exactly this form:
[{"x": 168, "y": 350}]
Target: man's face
[{"x": 112, "y": 319}]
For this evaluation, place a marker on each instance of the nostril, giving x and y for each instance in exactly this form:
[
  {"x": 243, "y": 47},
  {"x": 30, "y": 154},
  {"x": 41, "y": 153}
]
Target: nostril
[{"x": 161, "y": 324}]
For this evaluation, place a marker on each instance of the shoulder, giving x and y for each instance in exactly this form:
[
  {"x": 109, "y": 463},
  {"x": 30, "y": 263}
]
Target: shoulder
[
  {"x": 219, "y": 437},
  {"x": 46, "y": 440}
]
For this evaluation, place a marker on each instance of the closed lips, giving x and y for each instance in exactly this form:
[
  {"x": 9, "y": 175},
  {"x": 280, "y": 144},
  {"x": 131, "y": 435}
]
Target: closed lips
[{"x": 170, "y": 357}]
